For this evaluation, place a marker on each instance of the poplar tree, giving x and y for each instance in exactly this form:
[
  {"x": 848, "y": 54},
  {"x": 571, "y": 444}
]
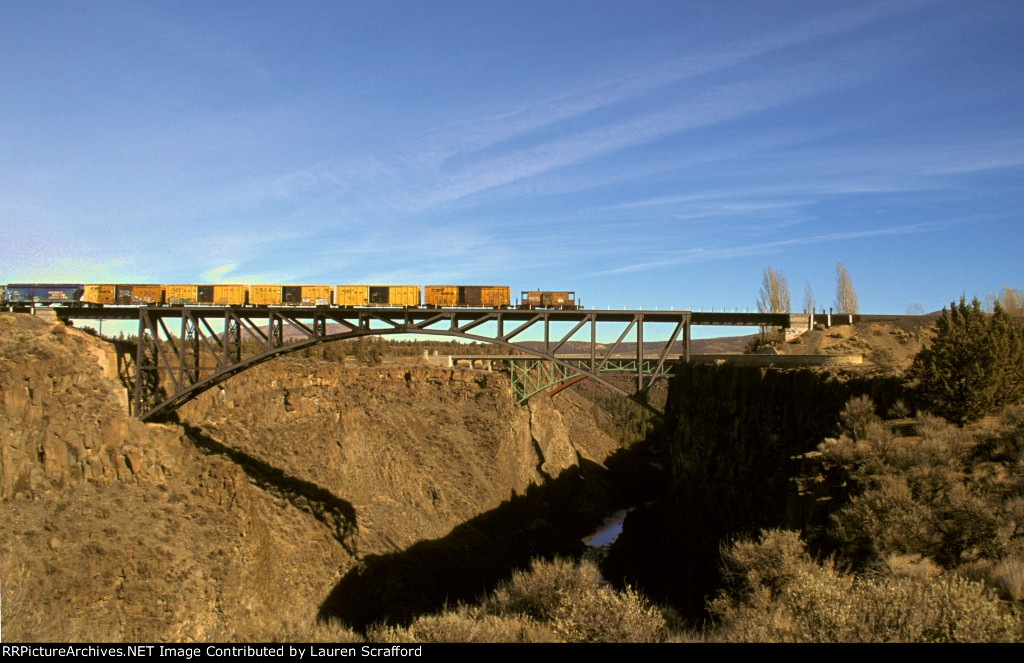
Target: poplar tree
[
  {"x": 1011, "y": 299},
  {"x": 846, "y": 298},
  {"x": 774, "y": 297}
]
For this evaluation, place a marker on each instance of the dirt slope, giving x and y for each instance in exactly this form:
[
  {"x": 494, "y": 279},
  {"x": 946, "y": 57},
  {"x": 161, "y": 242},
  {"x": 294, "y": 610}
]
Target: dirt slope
[{"x": 888, "y": 346}]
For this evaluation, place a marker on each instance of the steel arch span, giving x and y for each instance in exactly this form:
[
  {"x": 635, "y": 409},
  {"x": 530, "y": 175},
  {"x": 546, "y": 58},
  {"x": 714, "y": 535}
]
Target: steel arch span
[{"x": 191, "y": 349}]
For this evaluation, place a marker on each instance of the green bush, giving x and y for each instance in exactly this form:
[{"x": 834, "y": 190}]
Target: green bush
[{"x": 974, "y": 365}]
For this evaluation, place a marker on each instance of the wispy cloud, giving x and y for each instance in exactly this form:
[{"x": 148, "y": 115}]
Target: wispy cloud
[
  {"x": 545, "y": 134},
  {"x": 480, "y": 134},
  {"x": 707, "y": 254}
]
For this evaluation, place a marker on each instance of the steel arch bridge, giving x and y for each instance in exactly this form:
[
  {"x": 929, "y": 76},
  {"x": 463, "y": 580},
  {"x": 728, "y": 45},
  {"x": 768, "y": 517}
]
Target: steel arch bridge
[{"x": 191, "y": 349}]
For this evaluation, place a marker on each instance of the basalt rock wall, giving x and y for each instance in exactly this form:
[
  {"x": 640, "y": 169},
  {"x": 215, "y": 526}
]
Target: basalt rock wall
[
  {"x": 238, "y": 519},
  {"x": 729, "y": 446},
  {"x": 415, "y": 449}
]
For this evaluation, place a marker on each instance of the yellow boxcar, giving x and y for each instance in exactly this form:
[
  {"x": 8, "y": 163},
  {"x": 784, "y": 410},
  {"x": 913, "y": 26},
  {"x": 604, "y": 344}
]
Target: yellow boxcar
[
  {"x": 193, "y": 294},
  {"x": 436, "y": 296},
  {"x": 139, "y": 294},
  {"x": 548, "y": 299},
  {"x": 377, "y": 295},
  {"x": 123, "y": 294},
  {"x": 98, "y": 294},
  {"x": 290, "y": 295},
  {"x": 490, "y": 296}
]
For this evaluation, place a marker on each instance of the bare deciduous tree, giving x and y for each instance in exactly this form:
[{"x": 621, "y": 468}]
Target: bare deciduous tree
[
  {"x": 846, "y": 298},
  {"x": 774, "y": 298},
  {"x": 1011, "y": 300},
  {"x": 808, "y": 299},
  {"x": 774, "y": 293}
]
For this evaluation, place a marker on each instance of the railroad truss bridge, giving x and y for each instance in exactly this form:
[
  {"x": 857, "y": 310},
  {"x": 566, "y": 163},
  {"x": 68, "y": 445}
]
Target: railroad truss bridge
[{"x": 187, "y": 350}]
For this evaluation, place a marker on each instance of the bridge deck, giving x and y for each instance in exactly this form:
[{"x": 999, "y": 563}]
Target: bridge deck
[{"x": 418, "y": 315}]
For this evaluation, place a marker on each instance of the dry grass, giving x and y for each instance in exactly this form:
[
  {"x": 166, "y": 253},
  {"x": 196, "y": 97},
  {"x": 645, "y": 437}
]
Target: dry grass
[
  {"x": 20, "y": 621},
  {"x": 1008, "y": 577}
]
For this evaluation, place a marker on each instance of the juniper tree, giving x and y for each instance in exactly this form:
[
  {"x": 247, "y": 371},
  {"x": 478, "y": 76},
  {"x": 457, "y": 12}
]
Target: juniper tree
[
  {"x": 974, "y": 365},
  {"x": 1006, "y": 337}
]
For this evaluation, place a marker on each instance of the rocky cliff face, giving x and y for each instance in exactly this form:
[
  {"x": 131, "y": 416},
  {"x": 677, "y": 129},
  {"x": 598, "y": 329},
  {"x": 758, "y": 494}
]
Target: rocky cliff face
[
  {"x": 238, "y": 520},
  {"x": 732, "y": 442},
  {"x": 63, "y": 414},
  {"x": 415, "y": 450}
]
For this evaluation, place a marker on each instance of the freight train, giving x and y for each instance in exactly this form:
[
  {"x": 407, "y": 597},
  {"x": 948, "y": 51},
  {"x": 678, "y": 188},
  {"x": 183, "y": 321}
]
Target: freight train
[{"x": 346, "y": 296}]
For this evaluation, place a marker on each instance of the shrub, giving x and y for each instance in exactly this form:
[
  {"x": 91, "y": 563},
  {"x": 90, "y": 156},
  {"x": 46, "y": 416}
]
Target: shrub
[
  {"x": 914, "y": 566},
  {"x": 465, "y": 625},
  {"x": 328, "y": 630},
  {"x": 1008, "y": 577},
  {"x": 857, "y": 415},
  {"x": 23, "y": 620},
  {"x": 1006, "y": 444},
  {"x": 882, "y": 521},
  {"x": 770, "y": 563},
  {"x": 949, "y": 609},
  {"x": 570, "y": 599},
  {"x": 810, "y": 602},
  {"x": 535, "y": 593},
  {"x": 763, "y": 340}
]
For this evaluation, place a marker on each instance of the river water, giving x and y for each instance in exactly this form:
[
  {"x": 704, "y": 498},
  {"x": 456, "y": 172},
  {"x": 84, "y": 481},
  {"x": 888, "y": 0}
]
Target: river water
[{"x": 604, "y": 536}]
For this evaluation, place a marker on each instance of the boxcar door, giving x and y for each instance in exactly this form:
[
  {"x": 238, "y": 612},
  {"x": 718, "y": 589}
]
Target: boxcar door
[
  {"x": 204, "y": 294},
  {"x": 380, "y": 295},
  {"x": 471, "y": 295},
  {"x": 291, "y": 294}
]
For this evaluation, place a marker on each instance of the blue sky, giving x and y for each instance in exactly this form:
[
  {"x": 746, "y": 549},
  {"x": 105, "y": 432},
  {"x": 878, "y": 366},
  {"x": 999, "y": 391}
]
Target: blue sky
[{"x": 644, "y": 154}]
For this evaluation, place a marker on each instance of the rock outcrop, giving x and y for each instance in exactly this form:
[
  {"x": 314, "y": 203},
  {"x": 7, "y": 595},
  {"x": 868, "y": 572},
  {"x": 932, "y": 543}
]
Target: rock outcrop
[{"x": 63, "y": 416}]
